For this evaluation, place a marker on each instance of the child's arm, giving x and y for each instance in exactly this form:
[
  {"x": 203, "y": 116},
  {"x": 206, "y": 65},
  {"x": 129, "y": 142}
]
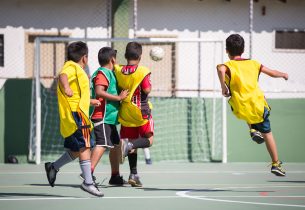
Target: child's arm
[
  {"x": 274, "y": 73},
  {"x": 63, "y": 80},
  {"x": 221, "y": 71},
  {"x": 100, "y": 92},
  {"x": 146, "y": 84}
]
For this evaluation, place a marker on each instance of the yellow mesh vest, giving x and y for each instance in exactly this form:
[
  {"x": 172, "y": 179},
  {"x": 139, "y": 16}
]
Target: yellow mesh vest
[
  {"x": 247, "y": 100},
  {"x": 130, "y": 115},
  {"x": 67, "y": 122}
]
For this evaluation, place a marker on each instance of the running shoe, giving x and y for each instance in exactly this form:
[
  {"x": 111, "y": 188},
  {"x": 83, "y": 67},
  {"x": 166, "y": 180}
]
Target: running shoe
[
  {"x": 276, "y": 168},
  {"x": 257, "y": 136}
]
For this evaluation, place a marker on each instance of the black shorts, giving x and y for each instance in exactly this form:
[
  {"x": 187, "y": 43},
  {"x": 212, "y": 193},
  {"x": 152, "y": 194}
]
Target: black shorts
[
  {"x": 263, "y": 127},
  {"x": 81, "y": 138},
  {"x": 106, "y": 135}
]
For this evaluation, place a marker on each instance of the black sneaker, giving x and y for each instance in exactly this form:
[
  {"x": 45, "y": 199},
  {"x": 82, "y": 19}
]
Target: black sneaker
[
  {"x": 277, "y": 169},
  {"x": 148, "y": 161},
  {"x": 117, "y": 180},
  {"x": 134, "y": 180},
  {"x": 51, "y": 173},
  {"x": 257, "y": 136}
]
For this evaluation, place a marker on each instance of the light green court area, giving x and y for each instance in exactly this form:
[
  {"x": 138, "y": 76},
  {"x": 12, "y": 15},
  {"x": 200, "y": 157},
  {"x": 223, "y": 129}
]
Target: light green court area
[
  {"x": 287, "y": 124},
  {"x": 165, "y": 186}
]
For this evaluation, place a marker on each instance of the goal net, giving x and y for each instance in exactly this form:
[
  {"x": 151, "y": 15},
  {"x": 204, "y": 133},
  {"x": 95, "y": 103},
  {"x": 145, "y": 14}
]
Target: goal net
[{"x": 189, "y": 112}]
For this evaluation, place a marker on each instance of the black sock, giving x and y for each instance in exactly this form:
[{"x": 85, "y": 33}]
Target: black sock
[
  {"x": 139, "y": 143},
  {"x": 132, "y": 159}
]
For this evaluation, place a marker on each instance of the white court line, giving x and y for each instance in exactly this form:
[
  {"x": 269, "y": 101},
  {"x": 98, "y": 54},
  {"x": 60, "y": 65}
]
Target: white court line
[
  {"x": 155, "y": 172},
  {"x": 77, "y": 198},
  {"x": 185, "y": 194}
]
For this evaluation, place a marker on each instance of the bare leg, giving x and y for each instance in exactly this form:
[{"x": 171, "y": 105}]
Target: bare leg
[
  {"x": 96, "y": 155},
  {"x": 114, "y": 157},
  {"x": 271, "y": 146}
]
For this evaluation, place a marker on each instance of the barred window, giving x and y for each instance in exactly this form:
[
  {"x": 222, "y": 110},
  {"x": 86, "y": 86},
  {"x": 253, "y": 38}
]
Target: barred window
[
  {"x": 1, "y": 50},
  {"x": 290, "y": 39}
]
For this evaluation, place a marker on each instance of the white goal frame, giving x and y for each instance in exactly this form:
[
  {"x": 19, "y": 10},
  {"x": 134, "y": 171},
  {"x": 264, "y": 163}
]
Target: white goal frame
[{"x": 39, "y": 40}]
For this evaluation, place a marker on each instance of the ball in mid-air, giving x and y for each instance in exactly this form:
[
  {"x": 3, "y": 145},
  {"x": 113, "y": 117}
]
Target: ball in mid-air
[{"x": 156, "y": 53}]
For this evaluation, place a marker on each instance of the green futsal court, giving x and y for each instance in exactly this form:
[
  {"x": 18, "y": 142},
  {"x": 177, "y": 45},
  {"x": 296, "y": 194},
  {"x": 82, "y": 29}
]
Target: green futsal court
[{"x": 166, "y": 186}]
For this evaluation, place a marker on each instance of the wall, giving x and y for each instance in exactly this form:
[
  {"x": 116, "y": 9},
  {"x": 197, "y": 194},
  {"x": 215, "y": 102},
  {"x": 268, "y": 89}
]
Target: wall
[{"x": 16, "y": 115}]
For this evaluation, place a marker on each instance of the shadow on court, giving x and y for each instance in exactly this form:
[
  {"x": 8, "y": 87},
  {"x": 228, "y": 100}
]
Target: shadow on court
[
  {"x": 288, "y": 181},
  {"x": 56, "y": 185},
  {"x": 29, "y": 195}
]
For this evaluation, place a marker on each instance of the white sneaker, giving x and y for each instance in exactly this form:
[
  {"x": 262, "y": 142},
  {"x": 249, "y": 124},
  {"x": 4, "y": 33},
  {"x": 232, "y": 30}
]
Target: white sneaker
[{"x": 90, "y": 188}]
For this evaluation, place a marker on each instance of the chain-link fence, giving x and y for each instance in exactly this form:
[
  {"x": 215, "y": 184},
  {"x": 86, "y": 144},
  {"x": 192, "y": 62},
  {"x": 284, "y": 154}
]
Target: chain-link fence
[{"x": 273, "y": 32}]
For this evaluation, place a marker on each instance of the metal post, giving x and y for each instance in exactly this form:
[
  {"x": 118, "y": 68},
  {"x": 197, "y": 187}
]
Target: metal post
[
  {"x": 250, "y": 27},
  {"x": 38, "y": 102},
  {"x": 135, "y": 18},
  {"x": 224, "y": 122}
]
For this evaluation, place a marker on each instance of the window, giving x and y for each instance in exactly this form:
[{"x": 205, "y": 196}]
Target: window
[
  {"x": 290, "y": 39},
  {"x": 1, "y": 50}
]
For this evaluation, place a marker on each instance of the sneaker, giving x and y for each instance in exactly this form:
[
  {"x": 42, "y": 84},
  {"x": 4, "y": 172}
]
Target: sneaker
[
  {"x": 51, "y": 173},
  {"x": 257, "y": 136},
  {"x": 134, "y": 180},
  {"x": 117, "y": 180},
  {"x": 148, "y": 161},
  {"x": 93, "y": 179},
  {"x": 124, "y": 150},
  {"x": 277, "y": 169},
  {"x": 92, "y": 189}
]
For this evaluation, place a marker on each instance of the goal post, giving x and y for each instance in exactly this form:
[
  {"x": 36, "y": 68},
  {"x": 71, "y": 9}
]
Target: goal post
[{"x": 190, "y": 118}]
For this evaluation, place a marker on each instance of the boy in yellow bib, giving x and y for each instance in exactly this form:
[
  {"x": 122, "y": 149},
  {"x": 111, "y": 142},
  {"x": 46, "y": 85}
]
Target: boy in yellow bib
[
  {"x": 239, "y": 80},
  {"x": 73, "y": 91}
]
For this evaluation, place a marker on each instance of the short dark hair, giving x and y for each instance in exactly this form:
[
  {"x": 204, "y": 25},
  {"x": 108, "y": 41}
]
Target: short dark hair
[
  {"x": 235, "y": 44},
  {"x": 105, "y": 54},
  {"x": 76, "y": 50},
  {"x": 133, "y": 51}
]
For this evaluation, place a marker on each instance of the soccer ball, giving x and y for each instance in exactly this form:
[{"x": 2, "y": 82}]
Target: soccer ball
[{"x": 156, "y": 53}]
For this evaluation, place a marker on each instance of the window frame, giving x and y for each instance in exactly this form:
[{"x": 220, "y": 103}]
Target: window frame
[
  {"x": 287, "y": 50},
  {"x": 2, "y": 61}
]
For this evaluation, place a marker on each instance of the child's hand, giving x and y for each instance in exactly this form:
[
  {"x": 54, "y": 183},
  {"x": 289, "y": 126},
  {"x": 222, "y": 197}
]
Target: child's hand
[
  {"x": 225, "y": 91},
  {"x": 68, "y": 92},
  {"x": 123, "y": 94},
  {"x": 95, "y": 102},
  {"x": 285, "y": 76}
]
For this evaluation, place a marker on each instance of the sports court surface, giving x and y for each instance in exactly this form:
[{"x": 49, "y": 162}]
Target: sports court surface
[{"x": 166, "y": 186}]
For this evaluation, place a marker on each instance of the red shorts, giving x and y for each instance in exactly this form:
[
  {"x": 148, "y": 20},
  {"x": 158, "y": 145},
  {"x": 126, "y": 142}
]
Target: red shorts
[{"x": 136, "y": 132}]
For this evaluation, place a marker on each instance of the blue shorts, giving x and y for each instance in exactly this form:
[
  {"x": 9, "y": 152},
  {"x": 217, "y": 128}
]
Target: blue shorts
[
  {"x": 263, "y": 127},
  {"x": 81, "y": 138}
]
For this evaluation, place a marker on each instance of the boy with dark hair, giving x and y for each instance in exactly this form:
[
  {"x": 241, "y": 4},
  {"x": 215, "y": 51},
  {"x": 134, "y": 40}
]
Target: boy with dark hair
[
  {"x": 105, "y": 117},
  {"x": 73, "y": 91},
  {"x": 239, "y": 80},
  {"x": 135, "y": 112}
]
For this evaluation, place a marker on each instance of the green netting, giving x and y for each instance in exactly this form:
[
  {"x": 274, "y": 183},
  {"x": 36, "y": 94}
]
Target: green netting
[{"x": 186, "y": 129}]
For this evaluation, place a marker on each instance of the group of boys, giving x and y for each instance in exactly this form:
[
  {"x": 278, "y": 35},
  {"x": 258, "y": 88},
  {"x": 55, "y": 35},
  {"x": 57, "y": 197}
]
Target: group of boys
[{"x": 120, "y": 93}]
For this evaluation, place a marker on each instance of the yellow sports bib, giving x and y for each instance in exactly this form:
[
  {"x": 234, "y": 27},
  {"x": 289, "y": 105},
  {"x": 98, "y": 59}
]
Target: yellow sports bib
[
  {"x": 81, "y": 98},
  {"x": 130, "y": 115},
  {"x": 247, "y": 100}
]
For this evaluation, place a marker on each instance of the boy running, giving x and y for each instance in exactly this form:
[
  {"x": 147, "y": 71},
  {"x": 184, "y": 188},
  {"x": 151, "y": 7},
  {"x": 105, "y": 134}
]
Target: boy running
[
  {"x": 73, "y": 91},
  {"x": 105, "y": 117},
  {"x": 239, "y": 79},
  {"x": 135, "y": 112}
]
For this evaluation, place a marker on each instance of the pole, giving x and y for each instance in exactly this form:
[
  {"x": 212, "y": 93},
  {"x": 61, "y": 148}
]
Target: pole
[{"x": 250, "y": 27}]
